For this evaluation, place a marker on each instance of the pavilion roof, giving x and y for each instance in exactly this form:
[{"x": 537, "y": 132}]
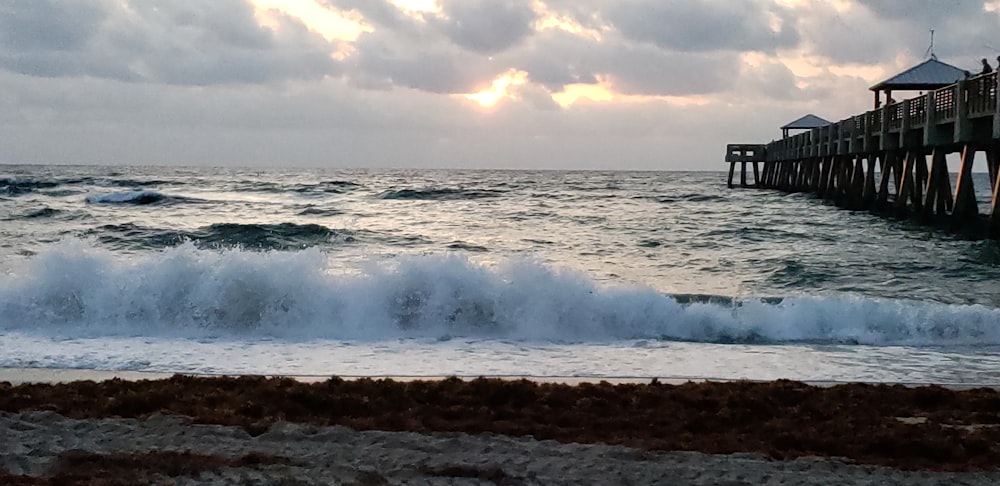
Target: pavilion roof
[
  {"x": 930, "y": 74},
  {"x": 805, "y": 123}
]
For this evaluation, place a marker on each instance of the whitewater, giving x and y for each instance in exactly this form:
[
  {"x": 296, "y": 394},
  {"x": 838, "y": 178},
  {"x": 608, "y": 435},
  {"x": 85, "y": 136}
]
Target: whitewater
[{"x": 480, "y": 273}]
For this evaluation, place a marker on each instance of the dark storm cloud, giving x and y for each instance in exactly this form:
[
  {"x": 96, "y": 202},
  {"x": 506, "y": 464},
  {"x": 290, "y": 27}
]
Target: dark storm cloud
[
  {"x": 175, "y": 42},
  {"x": 704, "y": 25},
  {"x": 486, "y": 26}
]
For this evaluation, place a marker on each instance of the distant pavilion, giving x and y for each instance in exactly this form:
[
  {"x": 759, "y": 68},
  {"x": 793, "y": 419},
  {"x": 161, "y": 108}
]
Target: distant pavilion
[
  {"x": 807, "y": 122},
  {"x": 926, "y": 76}
]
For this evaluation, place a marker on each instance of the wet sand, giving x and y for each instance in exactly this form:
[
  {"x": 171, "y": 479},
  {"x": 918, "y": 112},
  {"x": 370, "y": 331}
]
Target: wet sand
[{"x": 488, "y": 431}]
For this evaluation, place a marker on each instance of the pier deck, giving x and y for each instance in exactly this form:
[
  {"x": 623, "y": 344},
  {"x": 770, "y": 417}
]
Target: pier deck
[{"x": 878, "y": 160}]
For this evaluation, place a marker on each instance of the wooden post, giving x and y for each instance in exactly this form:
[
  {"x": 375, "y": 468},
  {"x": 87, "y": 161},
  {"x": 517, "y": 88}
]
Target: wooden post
[
  {"x": 888, "y": 164},
  {"x": 965, "y": 195},
  {"x": 743, "y": 174},
  {"x": 756, "y": 175},
  {"x": 831, "y": 178},
  {"x": 993, "y": 161},
  {"x": 868, "y": 193},
  {"x": 857, "y": 185},
  {"x": 963, "y": 125},
  {"x": 732, "y": 167},
  {"x": 994, "y": 223},
  {"x": 905, "y": 185},
  {"x": 815, "y": 175},
  {"x": 921, "y": 177},
  {"x": 800, "y": 177},
  {"x": 937, "y": 197},
  {"x": 844, "y": 180}
]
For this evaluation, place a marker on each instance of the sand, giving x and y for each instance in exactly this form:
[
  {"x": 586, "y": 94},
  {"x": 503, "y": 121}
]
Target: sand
[
  {"x": 187, "y": 430},
  {"x": 34, "y": 441}
]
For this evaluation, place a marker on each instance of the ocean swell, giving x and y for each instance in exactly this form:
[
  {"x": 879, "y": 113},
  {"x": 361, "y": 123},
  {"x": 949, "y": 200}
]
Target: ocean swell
[
  {"x": 440, "y": 194},
  {"x": 127, "y": 197},
  {"x": 280, "y": 236}
]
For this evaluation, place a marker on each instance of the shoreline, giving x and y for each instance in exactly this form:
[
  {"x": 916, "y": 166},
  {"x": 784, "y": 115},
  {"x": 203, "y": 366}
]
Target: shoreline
[
  {"x": 889, "y": 425},
  {"x": 233, "y": 430}
]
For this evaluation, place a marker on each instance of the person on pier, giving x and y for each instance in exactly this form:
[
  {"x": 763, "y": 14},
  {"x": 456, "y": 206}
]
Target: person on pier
[{"x": 986, "y": 66}]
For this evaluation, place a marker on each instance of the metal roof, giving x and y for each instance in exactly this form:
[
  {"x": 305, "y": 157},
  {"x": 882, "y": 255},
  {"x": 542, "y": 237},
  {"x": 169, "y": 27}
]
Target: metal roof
[
  {"x": 806, "y": 122},
  {"x": 930, "y": 74}
]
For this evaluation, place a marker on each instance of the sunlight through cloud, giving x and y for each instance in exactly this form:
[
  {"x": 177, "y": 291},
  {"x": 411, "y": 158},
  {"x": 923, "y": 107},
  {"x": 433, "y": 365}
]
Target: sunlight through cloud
[
  {"x": 332, "y": 24},
  {"x": 502, "y": 87}
]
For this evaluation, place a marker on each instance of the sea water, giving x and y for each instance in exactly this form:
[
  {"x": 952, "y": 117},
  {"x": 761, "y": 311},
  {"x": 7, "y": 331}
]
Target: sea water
[{"x": 495, "y": 273}]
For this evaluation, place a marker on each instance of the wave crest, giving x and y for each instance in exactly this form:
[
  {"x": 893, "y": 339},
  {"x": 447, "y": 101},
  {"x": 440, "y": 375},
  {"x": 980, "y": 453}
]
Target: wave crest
[
  {"x": 127, "y": 197},
  {"x": 78, "y": 290}
]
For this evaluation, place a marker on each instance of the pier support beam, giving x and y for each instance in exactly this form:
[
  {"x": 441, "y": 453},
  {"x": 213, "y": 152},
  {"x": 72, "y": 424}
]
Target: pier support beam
[
  {"x": 993, "y": 227},
  {"x": 868, "y": 193},
  {"x": 888, "y": 166},
  {"x": 937, "y": 198},
  {"x": 965, "y": 194},
  {"x": 906, "y": 183}
]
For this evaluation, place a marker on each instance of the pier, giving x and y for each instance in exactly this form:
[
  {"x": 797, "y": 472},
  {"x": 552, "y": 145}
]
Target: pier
[{"x": 892, "y": 159}]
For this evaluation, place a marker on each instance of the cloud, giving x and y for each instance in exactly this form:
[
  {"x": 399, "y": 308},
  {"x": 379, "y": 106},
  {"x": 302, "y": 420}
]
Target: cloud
[
  {"x": 36, "y": 26},
  {"x": 705, "y": 25},
  {"x": 486, "y": 26},
  {"x": 880, "y": 32},
  {"x": 179, "y": 42},
  {"x": 204, "y": 82}
]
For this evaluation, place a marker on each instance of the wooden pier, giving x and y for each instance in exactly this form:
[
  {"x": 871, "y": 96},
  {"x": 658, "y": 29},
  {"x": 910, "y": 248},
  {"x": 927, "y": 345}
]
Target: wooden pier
[{"x": 893, "y": 159}]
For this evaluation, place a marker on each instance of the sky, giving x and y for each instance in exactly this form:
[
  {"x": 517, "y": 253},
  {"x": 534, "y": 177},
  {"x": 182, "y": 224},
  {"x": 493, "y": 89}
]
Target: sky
[{"x": 520, "y": 84}]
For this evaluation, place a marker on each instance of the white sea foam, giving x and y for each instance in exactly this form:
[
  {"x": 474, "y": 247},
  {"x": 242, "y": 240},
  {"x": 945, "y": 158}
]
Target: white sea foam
[{"x": 76, "y": 290}]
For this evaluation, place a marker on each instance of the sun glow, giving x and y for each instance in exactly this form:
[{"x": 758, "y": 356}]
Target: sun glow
[
  {"x": 504, "y": 86},
  {"x": 571, "y": 93}
]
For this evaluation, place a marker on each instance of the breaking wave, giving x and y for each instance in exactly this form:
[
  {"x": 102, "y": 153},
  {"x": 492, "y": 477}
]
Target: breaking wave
[{"x": 76, "y": 290}]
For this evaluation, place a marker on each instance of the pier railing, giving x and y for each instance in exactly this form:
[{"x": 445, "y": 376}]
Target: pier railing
[
  {"x": 878, "y": 159},
  {"x": 965, "y": 107}
]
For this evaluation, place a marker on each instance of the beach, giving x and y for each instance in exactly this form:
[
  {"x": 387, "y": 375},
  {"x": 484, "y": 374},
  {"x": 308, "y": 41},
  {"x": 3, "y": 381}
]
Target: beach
[
  {"x": 188, "y": 326},
  {"x": 255, "y": 430}
]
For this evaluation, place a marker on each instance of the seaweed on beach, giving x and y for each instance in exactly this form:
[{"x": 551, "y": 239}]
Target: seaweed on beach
[{"x": 929, "y": 427}]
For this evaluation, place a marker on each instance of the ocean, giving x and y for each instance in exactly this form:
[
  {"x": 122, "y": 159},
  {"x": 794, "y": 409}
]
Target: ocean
[{"x": 426, "y": 273}]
